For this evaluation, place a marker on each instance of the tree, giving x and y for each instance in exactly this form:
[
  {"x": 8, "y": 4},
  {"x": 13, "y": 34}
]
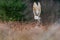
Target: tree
[{"x": 12, "y": 10}]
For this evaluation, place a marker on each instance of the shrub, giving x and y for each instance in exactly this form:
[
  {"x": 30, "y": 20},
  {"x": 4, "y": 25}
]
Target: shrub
[{"x": 12, "y": 10}]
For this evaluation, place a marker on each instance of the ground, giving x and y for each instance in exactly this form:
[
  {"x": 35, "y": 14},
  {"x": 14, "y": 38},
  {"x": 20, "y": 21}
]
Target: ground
[{"x": 29, "y": 31}]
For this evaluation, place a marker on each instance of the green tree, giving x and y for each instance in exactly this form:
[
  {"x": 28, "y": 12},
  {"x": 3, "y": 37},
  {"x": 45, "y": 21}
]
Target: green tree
[{"x": 12, "y": 10}]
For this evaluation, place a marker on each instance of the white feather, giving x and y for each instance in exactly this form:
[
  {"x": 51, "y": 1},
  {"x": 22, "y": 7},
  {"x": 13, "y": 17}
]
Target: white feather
[{"x": 36, "y": 17}]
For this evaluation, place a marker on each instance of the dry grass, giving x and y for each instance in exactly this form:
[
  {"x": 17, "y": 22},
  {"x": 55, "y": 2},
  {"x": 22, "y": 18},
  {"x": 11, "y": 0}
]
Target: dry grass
[{"x": 28, "y": 31}]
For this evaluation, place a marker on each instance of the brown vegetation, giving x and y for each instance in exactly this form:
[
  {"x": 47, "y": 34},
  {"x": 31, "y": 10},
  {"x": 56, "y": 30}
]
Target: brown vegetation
[{"x": 28, "y": 31}]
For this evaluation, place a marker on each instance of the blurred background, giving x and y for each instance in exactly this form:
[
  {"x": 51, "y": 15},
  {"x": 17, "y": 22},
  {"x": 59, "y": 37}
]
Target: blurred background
[
  {"x": 14, "y": 14},
  {"x": 21, "y": 10}
]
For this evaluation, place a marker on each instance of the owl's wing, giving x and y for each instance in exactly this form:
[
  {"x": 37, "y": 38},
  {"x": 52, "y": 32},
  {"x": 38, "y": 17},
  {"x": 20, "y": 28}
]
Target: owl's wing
[
  {"x": 35, "y": 5},
  {"x": 39, "y": 7}
]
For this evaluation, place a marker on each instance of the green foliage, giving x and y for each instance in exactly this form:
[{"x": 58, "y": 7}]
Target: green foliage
[{"x": 12, "y": 10}]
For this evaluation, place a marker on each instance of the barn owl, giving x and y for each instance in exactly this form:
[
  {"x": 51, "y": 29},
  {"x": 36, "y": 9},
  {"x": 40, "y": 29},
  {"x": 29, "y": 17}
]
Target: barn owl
[{"x": 36, "y": 10}]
